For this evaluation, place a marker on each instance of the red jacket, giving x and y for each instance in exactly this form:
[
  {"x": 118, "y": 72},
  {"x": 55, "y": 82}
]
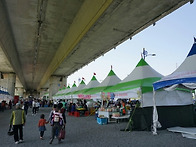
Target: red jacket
[{"x": 42, "y": 122}]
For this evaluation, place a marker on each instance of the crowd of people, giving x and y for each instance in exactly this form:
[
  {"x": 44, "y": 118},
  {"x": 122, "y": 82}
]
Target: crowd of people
[
  {"x": 4, "y": 105},
  {"x": 56, "y": 119}
]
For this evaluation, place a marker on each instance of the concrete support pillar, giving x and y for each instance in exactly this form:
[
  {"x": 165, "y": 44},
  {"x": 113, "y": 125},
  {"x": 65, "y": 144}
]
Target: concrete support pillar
[
  {"x": 11, "y": 81},
  {"x": 54, "y": 85},
  {"x": 20, "y": 92},
  {"x": 43, "y": 91},
  {"x": 56, "y": 82},
  {"x": 63, "y": 83}
]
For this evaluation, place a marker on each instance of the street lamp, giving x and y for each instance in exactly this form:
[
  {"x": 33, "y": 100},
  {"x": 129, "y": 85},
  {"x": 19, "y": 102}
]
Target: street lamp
[{"x": 144, "y": 54}]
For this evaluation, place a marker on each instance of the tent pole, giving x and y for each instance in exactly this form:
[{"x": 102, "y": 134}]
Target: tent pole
[{"x": 156, "y": 123}]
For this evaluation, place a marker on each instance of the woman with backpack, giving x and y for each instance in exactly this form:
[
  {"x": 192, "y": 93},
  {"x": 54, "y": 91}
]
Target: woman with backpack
[{"x": 56, "y": 121}]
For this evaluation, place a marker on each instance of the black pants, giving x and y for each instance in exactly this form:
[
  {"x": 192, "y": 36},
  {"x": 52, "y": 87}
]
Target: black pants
[
  {"x": 17, "y": 128},
  {"x": 34, "y": 110},
  {"x": 41, "y": 133},
  {"x": 55, "y": 128},
  {"x": 26, "y": 110}
]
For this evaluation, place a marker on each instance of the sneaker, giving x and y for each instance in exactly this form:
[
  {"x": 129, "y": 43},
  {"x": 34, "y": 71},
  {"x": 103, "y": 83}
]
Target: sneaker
[
  {"x": 17, "y": 142},
  {"x": 41, "y": 138},
  {"x": 51, "y": 141},
  {"x": 20, "y": 141}
]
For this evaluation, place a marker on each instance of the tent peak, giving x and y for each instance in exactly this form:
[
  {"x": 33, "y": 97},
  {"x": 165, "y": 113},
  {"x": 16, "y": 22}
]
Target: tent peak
[
  {"x": 193, "y": 49},
  {"x": 93, "y": 78},
  {"x": 142, "y": 62},
  {"x": 82, "y": 82},
  {"x": 111, "y": 73}
]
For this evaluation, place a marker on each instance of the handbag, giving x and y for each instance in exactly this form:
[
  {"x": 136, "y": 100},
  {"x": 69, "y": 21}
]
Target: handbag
[
  {"x": 62, "y": 133},
  {"x": 10, "y": 131}
]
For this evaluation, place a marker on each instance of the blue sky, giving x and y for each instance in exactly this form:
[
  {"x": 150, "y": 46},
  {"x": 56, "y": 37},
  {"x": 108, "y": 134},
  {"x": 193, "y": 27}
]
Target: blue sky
[{"x": 170, "y": 39}]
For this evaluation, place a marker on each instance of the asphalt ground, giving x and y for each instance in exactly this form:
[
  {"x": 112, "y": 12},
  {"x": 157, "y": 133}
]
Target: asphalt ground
[{"x": 86, "y": 132}]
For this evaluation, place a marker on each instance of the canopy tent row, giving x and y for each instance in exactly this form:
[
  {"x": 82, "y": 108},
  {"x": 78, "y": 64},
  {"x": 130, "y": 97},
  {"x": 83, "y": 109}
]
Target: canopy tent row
[
  {"x": 75, "y": 91},
  {"x": 82, "y": 94},
  {"x": 93, "y": 90},
  {"x": 69, "y": 91},
  {"x": 111, "y": 80},
  {"x": 59, "y": 94},
  {"x": 138, "y": 84},
  {"x": 184, "y": 76}
]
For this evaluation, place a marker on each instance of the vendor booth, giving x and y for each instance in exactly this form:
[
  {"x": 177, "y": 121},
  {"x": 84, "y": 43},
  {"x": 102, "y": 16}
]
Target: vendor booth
[
  {"x": 99, "y": 93},
  {"x": 138, "y": 84},
  {"x": 179, "y": 110}
]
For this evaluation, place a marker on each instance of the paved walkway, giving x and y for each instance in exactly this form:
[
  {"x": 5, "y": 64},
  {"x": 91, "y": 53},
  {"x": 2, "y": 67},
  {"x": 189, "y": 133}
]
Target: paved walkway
[{"x": 85, "y": 132}]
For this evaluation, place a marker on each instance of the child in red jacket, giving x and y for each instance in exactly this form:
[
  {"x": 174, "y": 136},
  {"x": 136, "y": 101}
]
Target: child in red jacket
[{"x": 41, "y": 125}]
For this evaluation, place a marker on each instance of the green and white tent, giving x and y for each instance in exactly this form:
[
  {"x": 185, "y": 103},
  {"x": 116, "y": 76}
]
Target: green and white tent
[
  {"x": 59, "y": 94},
  {"x": 92, "y": 84},
  {"x": 68, "y": 92},
  {"x": 74, "y": 93},
  {"x": 138, "y": 84},
  {"x": 108, "y": 82},
  {"x": 64, "y": 91}
]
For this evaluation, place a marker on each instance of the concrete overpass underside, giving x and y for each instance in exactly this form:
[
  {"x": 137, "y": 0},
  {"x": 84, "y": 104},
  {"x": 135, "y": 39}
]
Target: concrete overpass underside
[{"x": 41, "y": 38}]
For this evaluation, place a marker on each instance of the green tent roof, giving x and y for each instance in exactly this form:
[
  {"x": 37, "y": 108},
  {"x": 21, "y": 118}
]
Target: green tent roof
[{"x": 143, "y": 76}]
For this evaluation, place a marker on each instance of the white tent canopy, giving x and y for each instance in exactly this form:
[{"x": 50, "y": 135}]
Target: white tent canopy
[
  {"x": 138, "y": 84},
  {"x": 184, "y": 76},
  {"x": 99, "y": 91},
  {"x": 92, "y": 84},
  {"x": 74, "y": 93}
]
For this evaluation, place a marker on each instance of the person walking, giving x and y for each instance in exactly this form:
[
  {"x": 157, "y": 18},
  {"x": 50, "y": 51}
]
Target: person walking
[
  {"x": 42, "y": 126},
  {"x": 26, "y": 106},
  {"x": 18, "y": 121},
  {"x": 56, "y": 123},
  {"x": 10, "y": 104},
  {"x": 34, "y": 107}
]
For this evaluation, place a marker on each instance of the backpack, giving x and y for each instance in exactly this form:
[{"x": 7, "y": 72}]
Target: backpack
[{"x": 56, "y": 118}]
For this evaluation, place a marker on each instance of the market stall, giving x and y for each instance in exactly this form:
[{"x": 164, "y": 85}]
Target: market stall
[{"x": 114, "y": 114}]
